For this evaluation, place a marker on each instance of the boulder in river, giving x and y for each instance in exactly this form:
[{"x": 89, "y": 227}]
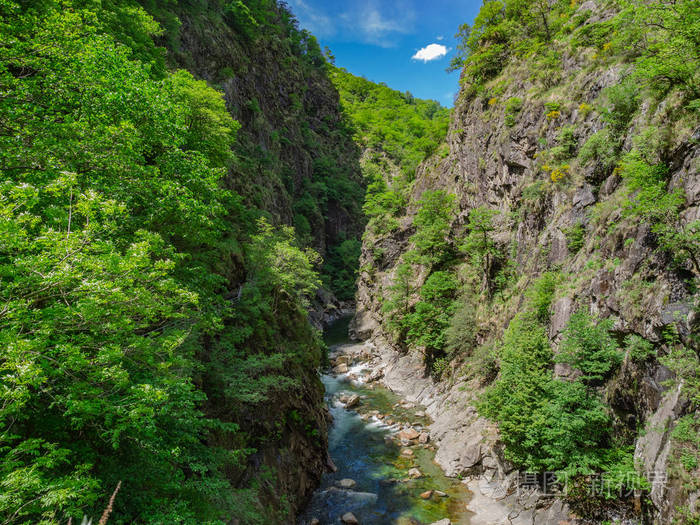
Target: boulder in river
[
  {"x": 446, "y": 521},
  {"x": 423, "y": 437},
  {"x": 341, "y": 369},
  {"x": 352, "y": 401},
  {"x": 346, "y": 483},
  {"x": 349, "y": 519},
  {"x": 408, "y": 434},
  {"x": 427, "y": 494},
  {"x": 407, "y": 452},
  {"x": 414, "y": 473}
]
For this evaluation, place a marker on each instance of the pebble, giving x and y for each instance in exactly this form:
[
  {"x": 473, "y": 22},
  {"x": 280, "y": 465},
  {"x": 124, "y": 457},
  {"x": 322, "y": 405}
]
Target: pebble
[
  {"x": 346, "y": 483},
  {"x": 349, "y": 519},
  {"x": 427, "y": 494},
  {"x": 414, "y": 473}
]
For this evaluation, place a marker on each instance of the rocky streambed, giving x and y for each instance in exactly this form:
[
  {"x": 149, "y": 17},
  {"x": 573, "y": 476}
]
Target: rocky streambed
[
  {"x": 407, "y": 450},
  {"x": 380, "y": 446}
]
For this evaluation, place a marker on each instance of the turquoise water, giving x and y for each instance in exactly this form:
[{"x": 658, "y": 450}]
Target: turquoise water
[{"x": 359, "y": 447}]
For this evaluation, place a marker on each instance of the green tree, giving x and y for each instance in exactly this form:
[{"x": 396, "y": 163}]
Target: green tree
[
  {"x": 427, "y": 325},
  {"x": 433, "y": 220},
  {"x": 480, "y": 245},
  {"x": 588, "y": 346}
]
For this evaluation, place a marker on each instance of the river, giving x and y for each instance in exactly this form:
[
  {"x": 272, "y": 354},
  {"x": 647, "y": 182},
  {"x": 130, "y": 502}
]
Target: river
[{"x": 365, "y": 450}]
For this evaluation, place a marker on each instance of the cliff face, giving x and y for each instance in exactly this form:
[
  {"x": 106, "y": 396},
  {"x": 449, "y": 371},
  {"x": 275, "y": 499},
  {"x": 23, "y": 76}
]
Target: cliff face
[
  {"x": 295, "y": 154},
  {"x": 296, "y": 162},
  {"x": 504, "y": 146}
]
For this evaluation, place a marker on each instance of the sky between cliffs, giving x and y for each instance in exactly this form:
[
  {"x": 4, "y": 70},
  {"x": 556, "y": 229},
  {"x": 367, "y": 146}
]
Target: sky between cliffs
[{"x": 406, "y": 44}]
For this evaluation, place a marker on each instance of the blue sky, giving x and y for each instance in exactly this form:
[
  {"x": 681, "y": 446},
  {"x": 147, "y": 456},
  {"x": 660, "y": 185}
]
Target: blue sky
[{"x": 378, "y": 38}]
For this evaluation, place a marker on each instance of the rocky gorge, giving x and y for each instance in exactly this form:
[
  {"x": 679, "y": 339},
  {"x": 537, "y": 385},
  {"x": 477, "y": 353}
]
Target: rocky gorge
[{"x": 523, "y": 152}]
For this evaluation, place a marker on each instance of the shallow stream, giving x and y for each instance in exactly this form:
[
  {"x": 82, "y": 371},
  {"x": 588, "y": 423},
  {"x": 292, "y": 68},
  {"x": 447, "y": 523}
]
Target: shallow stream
[{"x": 363, "y": 450}]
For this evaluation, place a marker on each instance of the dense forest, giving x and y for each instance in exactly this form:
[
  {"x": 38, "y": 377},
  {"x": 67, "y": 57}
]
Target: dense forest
[{"x": 147, "y": 305}]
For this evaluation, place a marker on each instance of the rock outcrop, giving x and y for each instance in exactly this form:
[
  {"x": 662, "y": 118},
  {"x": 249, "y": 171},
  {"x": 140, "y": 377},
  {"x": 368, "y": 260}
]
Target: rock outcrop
[{"x": 494, "y": 159}]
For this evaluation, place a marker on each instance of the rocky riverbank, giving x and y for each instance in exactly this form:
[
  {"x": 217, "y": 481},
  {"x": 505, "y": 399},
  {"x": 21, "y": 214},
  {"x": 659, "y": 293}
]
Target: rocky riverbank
[{"x": 465, "y": 445}]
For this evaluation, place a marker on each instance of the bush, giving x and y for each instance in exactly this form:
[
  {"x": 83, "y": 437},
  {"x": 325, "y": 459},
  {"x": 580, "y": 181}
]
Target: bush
[
  {"x": 427, "y": 325},
  {"x": 432, "y": 221},
  {"x": 541, "y": 294},
  {"x": 461, "y": 333},
  {"x": 639, "y": 348},
  {"x": 513, "y": 107},
  {"x": 575, "y": 237},
  {"x": 588, "y": 346},
  {"x": 602, "y": 148}
]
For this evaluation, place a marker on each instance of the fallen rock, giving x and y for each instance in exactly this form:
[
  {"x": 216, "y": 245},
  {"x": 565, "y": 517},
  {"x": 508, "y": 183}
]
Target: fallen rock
[
  {"x": 375, "y": 376},
  {"x": 352, "y": 401},
  {"x": 441, "y": 493},
  {"x": 341, "y": 369},
  {"x": 346, "y": 483},
  {"x": 423, "y": 438},
  {"x": 407, "y": 452},
  {"x": 415, "y": 473},
  {"x": 349, "y": 519},
  {"x": 446, "y": 521},
  {"x": 427, "y": 494},
  {"x": 342, "y": 360},
  {"x": 315, "y": 521},
  {"x": 408, "y": 434}
]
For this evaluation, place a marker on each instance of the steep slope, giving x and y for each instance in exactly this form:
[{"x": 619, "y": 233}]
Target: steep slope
[
  {"x": 295, "y": 157},
  {"x": 155, "y": 304},
  {"x": 546, "y": 265}
]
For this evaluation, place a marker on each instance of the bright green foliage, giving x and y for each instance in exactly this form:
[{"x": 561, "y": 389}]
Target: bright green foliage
[
  {"x": 541, "y": 294},
  {"x": 479, "y": 244},
  {"x": 513, "y": 107},
  {"x": 118, "y": 246},
  {"x": 426, "y": 326},
  {"x": 406, "y": 128},
  {"x": 504, "y": 29},
  {"x": 652, "y": 202},
  {"x": 398, "y": 304},
  {"x": 432, "y": 222},
  {"x": 285, "y": 270},
  {"x": 550, "y": 424},
  {"x": 575, "y": 237},
  {"x": 397, "y": 132},
  {"x": 639, "y": 348},
  {"x": 662, "y": 36},
  {"x": 588, "y": 346}
]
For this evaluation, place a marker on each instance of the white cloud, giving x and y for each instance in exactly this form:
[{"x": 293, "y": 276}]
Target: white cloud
[
  {"x": 440, "y": 37},
  {"x": 430, "y": 52}
]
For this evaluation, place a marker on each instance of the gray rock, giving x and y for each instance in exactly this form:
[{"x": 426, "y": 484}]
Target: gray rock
[
  {"x": 349, "y": 519},
  {"x": 346, "y": 483},
  {"x": 352, "y": 401}
]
